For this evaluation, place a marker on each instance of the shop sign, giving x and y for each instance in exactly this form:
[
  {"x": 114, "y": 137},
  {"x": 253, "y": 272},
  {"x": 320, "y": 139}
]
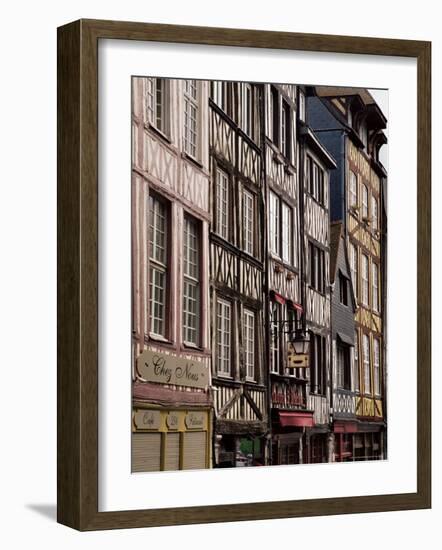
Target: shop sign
[
  {"x": 195, "y": 420},
  {"x": 147, "y": 420},
  {"x": 172, "y": 421},
  {"x": 296, "y": 360},
  {"x": 154, "y": 366}
]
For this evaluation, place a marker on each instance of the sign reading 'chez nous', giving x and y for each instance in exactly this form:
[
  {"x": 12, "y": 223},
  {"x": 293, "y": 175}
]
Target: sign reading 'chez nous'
[{"x": 167, "y": 369}]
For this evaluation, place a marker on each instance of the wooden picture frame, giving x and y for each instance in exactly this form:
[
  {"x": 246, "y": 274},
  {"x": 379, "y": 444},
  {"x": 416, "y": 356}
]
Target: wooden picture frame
[{"x": 77, "y": 225}]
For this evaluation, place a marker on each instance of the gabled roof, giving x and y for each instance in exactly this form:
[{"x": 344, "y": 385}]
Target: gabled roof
[{"x": 337, "y": 240}]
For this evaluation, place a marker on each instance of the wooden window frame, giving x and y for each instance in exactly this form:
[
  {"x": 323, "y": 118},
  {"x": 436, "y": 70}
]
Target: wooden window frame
[
  {"x": 318, "y": 361},
  {"x": 152, "y": 106},
  {"x": 160, "y": 267},
  {"x": 356, "y": 383},
  {"x": 221, "y": 173},
  {"x": 366, "y": 362},
  {"x": 230, "y": 305},
  {"x": 377, "y": 367},
  {"x": 190, "y": 147},
  {"x": 365, "y": 281},
  {"x": 192, "y": 280},
  {"x": 248, "y": 244},
  {"x": 250, "y": 374}
]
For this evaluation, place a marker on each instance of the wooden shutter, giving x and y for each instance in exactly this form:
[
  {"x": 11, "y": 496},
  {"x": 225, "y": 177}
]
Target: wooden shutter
[
  {"x": 172, "y": 452},
  {"x": 195, "y": 450},
  {"x": 146, "y": 452}
]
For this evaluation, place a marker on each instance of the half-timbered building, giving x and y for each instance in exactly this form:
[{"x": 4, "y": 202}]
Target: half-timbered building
[
  {"x": 315, "y": 166},
  {"x": 350, "y": 124},
  {"x": 289, "y": 409},
  {"x": 236, "y": 274},
  {"x": 172, "y": 419},
  {"x": 344, "y": 354}
]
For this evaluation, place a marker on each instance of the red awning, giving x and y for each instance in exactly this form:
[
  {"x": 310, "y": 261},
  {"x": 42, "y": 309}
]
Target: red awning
[
  {"x": 343, "y": 427},
  {"x": 277, "y": 297},
  {"x": 294, "y": 305},
  {"x": 296, "y": 419}
]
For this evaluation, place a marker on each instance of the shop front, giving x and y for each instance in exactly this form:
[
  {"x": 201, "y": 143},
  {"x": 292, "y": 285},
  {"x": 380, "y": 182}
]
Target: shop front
[
  {"x": 171, "y": 415},
  {"x": 288, "y": 427},
  {"x": 239, "y": 444},
  {"x": 344, "y": 438},
  {"x": 170, "y": 439}
]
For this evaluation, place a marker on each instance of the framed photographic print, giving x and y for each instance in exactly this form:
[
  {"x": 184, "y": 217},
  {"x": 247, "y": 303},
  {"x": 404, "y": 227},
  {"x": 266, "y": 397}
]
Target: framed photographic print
[{"x": 243, "y": 275}]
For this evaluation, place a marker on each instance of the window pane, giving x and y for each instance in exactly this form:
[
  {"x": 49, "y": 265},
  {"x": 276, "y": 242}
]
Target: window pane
[
  {"x": 364, "y": 201},
  {"x": 365, "y": 281},
  {"x": 354, "y": 267},
  {"x": 223, "y": 320},
  {"x": 287, "y": 231},
  {"x": 377, "y": 366},
  {"x": 249, "y": 343},
  {"x": 248, "y": 221},
  {"x": 274, "y": 337},
  {"x": 191, "y": 283},
  {"x": 375, "y": 282},
  {"x": 366, "y": 359},
  {"x": 374, "y": 213},
  {"x": 274, "y": 223},
  {"x": 353, "y": 195},
  {"x": 356, "y": 363},
  {"x": 222, "y": 204},
  {"x": 157, "y": 265},
  {"x": 190, "y": 117}
]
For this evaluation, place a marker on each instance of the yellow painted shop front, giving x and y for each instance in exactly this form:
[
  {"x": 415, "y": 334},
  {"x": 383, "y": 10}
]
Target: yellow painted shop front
[{"x": 170, "y": 439}]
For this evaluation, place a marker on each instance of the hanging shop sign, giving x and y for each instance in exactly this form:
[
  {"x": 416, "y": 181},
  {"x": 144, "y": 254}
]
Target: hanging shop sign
[
  {"x": 296, "y": 360},
  {"x": 157, "y": 367}
]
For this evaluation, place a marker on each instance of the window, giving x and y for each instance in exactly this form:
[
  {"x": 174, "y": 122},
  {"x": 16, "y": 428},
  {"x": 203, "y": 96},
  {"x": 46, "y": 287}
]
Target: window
[
  {"x": 157, "y": 103},
  {"x": 354, "y": 267},
  {"x": 377, "y": 366},
  {"x": 247, "y": 221},
  {"x": 309, "y": 174},
  {"x": 219, "y": 92},
  {"x": 274, "y": 223},
  {"x": 274, "y": 118},
  {"x": 222, "y": 204},
  {"x": 249, "y": 343},
  {"x": 353, "y": 190},
  {"x": 343, "y": 367},
  {"x": 247, "y": 109},
  {"x": 223, "y": 337},
  {"x": 191, "y": 285},
  {"x": 316, "y": 258},
  {"x": 365, "y": 281},
  {"x": 287, "y": 232},
  {"x": 301, "y": 106},
  {"x": 275, "y": 337},
  {"x": 363, "y": 133},
  {"x": 366, "y": 362},
  {"x": 356, "y": 363},
  {"x": 158, "y": 221},
  {"x": 375, "y": 289},
  {"x": 364, "y": 201},
  {"x": 190, "y": 117},
  {"x": 343, "y": 289},
  {"x": 315, "y": 180},
  {"x": 285, "y": 130},
  {"x": 317, "y": 364},
  {"x": 374, "y": 213}
]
